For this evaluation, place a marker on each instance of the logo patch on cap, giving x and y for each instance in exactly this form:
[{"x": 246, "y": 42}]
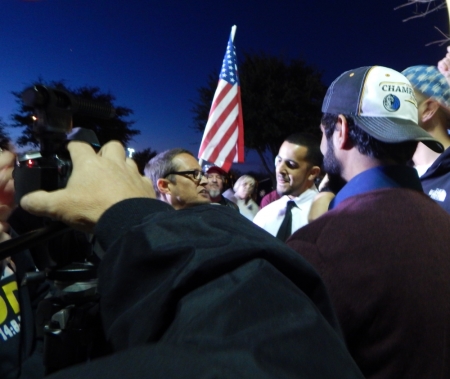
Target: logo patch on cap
[
  {"x": 391, "y": 103},
  {"x": 381, "y": 102}
]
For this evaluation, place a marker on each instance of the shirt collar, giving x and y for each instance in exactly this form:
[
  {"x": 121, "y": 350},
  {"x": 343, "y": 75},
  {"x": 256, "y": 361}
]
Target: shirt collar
[
  {"x": 377, "y": 178},
  {"x": 304, "y": 196}
]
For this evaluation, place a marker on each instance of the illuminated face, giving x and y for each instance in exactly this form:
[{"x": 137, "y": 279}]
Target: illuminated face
[
  {"x": 245, "y": 189},
  {"x": 186, "y": 191},
  {"x": 293, "y": 172},
  {"x": 215, "y": 184}
]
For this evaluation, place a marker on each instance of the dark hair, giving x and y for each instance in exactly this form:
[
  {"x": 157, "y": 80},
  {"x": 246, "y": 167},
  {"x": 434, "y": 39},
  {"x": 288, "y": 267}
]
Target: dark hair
[
  {"x": 313, "y": 155},
  {"x": 399, "y": 153},
  {"x": 159, "y": 166}
]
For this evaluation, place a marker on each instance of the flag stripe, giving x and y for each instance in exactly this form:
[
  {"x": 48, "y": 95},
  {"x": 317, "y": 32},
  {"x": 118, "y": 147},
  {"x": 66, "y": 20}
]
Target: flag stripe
[
  {"x": 228, "y": 151},
  {"x": 226, "y": 134},
  {"x": 223, "y": 87},
  {"x": 217, "y": 142},
  {"x": 219, "y": 125},
  {"x": 231, "y": 147},
  {"x": 221, "y": 111}
]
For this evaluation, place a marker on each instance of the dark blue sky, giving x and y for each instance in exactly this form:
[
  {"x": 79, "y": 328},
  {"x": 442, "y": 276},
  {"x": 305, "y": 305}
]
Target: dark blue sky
[{"x": 153, "y": 55}]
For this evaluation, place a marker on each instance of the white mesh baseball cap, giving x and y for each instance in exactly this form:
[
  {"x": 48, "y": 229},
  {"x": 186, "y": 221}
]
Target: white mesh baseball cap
[{"x": 382, "y": 103}]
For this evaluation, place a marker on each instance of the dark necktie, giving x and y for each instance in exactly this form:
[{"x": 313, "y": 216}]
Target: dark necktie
[{"x": 285, "y": 229}]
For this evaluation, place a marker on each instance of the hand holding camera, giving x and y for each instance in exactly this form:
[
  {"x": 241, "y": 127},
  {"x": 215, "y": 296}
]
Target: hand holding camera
[{"x": 97, "y": 182}]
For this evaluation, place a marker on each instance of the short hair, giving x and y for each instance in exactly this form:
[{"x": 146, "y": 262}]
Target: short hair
[
  {"x": 159, "y": 166},
  {"x": 243, "y": 178},
  {"x": 399, "y": 152},
  {"x": 313, "y": 155}
]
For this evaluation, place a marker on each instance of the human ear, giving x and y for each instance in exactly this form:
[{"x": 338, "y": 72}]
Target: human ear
[
  {"x": 343, "y": 139},
  {"x": 163, "y": 186},
  {"x": 430, "y": 108},
  {"x": 314, "y": 172}
]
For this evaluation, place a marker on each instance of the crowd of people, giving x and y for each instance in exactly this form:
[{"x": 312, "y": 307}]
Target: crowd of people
[{"x": 349, "y": 279}]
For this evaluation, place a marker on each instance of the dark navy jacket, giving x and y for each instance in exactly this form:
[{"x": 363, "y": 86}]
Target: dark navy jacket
[{"x": 436, "y": 180}]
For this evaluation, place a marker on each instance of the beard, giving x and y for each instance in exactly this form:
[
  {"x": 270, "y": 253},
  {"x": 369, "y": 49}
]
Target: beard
[
  {"x": 333, "y": 167},
  {"x": 331, "y": 164},
  {"x": 214, "y": 193}
]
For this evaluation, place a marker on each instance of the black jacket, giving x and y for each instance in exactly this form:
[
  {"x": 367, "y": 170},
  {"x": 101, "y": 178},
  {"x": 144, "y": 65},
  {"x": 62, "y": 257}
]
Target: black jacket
[{"x": 204, "y": 293}]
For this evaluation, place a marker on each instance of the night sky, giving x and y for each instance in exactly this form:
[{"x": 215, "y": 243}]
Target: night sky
[{"x": 153, "y": 55}]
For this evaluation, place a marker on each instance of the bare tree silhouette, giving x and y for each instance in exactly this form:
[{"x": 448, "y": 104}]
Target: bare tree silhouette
[{"x": 423, "y": 8}]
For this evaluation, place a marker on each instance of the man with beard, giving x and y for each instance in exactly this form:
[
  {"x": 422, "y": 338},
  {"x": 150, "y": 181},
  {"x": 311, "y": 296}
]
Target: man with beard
[
  {"x": 297, "y": 165},
  {"x": 216, "y": 177},
  {"x": 382, "y": 248}
]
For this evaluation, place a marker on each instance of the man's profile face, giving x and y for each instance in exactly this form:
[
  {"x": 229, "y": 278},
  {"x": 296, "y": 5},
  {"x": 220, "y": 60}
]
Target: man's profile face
[
  {"x": 292, "y": 170},
  {"x": 215, "y": 183},
  {"x": 186, "y": 191},
  {"x": 331, "y": 164}
]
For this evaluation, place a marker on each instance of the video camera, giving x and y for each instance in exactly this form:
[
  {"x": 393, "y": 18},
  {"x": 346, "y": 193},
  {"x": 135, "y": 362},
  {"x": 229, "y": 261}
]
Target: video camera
[
  {"x": 71, "y": 332},
  {"x": 50, "y": 167}
]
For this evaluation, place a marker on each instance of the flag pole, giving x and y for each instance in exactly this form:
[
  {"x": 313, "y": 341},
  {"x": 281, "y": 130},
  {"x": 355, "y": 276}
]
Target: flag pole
[
  {"x": 233, "y": 28},
  {"x": 448, "y": 9}
]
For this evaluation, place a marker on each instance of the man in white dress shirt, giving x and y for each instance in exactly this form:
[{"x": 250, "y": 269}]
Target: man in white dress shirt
[{"x": 297, "y": 166}]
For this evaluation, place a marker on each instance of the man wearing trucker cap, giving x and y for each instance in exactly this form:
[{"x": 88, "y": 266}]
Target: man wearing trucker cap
[{"x": 383, "y": 246}]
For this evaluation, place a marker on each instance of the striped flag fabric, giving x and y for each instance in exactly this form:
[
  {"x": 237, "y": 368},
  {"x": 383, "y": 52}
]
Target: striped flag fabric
[{"x": 223, "y": 138}]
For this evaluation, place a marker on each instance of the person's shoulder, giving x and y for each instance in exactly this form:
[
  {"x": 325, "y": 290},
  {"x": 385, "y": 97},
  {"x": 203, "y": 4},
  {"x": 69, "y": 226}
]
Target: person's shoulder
[
  {"x": 307, "y": 196},
  {"x": 269, "y": 198},
  {"x": 229, "y": 203},
  {"x": 261, "y": 215},
  {"x": 440, "y": 167},
  {"x": 229, "y": 194},
  {"x": 264, "y": 214},
  {"x": 276, "y": 204}
]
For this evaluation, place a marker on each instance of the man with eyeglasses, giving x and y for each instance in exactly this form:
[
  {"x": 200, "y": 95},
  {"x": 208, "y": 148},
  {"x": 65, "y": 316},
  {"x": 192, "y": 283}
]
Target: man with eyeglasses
[
  {"x": 178, "y": 178},
  {"x": 216, "y": 177}
]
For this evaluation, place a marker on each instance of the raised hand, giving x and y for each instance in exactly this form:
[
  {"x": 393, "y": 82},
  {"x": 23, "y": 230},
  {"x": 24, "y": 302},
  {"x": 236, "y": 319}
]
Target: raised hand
[
  {"x": 444, "y": 65},
  {"x": 97, "y": 182}
]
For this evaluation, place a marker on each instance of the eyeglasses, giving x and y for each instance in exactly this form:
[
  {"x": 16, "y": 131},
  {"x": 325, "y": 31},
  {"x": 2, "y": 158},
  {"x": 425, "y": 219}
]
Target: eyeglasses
[{"x": 196, "y": 175}]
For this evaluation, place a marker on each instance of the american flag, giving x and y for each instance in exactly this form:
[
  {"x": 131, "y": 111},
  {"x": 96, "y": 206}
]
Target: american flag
[{"x": 223, "y": 138}]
